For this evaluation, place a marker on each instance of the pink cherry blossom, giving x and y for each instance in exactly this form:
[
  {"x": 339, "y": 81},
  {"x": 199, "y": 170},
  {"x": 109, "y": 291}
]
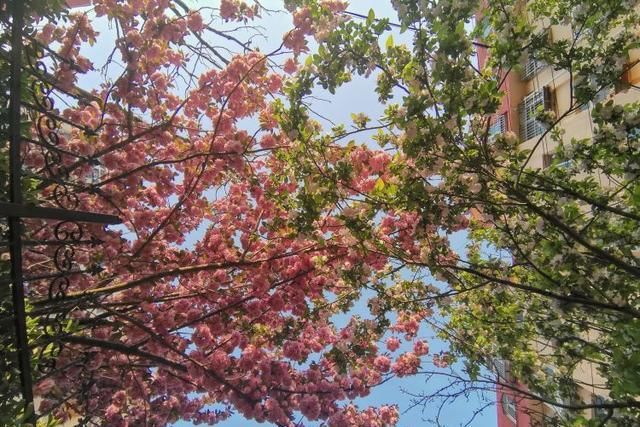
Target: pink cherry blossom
[{"x": 393, "y": 343}]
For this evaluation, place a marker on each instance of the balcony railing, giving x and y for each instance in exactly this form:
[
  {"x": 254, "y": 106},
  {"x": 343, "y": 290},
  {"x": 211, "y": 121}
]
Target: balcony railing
[{"x": 531, "y": 68}]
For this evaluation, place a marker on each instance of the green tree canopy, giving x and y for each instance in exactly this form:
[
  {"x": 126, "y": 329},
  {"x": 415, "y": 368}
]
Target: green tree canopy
[{"x": 553, "y": 254}]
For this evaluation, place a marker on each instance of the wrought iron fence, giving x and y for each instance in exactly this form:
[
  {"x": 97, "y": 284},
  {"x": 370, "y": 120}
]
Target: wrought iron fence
[{"x": 45, "y": 213}]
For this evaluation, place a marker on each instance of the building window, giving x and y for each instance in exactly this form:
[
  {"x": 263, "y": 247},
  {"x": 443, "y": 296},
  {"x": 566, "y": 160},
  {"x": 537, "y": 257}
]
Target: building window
[
  {"x": 485, "y": 27},
  {"x": 509, "y": 406},
  {"x": 599, "y": 413},
  {"x": 501, "y": 368},
  {"x": 548, "y": 158},
  {"x": 498, "y": 126},
  {"x": 531, "y": 68},
  {"x": 566, "y": 164},
  {"x": 96, "y": 173},
  {"x": 556, "y": 397},
  {"x": 529, "y": 125},
  {"x": 602, "y": 95},
  {"x": 599, "y": 93}
]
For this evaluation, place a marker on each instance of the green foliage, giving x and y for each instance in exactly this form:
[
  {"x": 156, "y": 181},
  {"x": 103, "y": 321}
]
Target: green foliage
[{"x": 552, "y": 260}]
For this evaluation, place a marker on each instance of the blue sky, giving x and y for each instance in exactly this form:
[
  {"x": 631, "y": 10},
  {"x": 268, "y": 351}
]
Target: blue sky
[{"x": 356, "y": 96}]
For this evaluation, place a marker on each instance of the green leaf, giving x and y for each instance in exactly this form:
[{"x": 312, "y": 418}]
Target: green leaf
[
  {"x": 392, "y": 190},
  {"x": 379, "y": 185},
  {"x": 309, "y": 61},
  {"x": 389, "y": 43},
  {"x": 635, "y": 196},
  {"x": 371, "y": 17}
]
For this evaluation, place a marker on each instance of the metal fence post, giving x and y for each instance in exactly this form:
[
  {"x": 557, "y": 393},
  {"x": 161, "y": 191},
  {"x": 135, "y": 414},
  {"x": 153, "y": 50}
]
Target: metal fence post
[{"x": 15, "y": 196}]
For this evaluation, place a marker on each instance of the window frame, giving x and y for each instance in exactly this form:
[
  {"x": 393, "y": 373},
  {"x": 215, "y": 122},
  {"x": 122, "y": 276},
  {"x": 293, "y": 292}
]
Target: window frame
[
  {"x": 530, "y": 126},
  {"x": 502, "y": 367},
  {"x": 498, "y": 125},
  {"x": 509, "y": 407}
]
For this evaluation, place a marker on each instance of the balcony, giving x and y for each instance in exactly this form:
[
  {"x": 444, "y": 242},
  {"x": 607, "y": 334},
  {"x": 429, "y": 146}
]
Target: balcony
[{"x": 531, "y": 68}]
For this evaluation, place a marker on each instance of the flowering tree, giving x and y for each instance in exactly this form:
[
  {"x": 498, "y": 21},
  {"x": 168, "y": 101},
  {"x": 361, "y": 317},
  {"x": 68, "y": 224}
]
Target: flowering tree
[
  {"x": 217, "y": 293},
  {"x": 552, "y": 256},
  {"x": 246, "y": 226}
]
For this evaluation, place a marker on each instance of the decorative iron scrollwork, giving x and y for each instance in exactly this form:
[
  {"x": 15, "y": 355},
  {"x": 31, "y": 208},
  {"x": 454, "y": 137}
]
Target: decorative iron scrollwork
[
  {"x": 52, "y": 235},
  {"x": 65, "y": 197},
  {"x": 68, "y": 231},
  {"x": 67, "y": 235}
]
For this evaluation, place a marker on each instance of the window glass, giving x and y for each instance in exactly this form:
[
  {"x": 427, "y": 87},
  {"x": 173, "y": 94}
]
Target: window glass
[{"x": 509, "y": 406}]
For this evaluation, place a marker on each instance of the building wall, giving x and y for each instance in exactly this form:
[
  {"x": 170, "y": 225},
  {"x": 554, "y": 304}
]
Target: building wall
[
  {"x": 524, "y": 408},
  {"x": 505, "y": 420},
  {"x": 575, "y": 124}
]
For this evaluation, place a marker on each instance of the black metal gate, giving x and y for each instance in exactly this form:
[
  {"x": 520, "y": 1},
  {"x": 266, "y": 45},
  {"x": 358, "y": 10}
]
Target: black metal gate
[{"x": 51, "y": 202}]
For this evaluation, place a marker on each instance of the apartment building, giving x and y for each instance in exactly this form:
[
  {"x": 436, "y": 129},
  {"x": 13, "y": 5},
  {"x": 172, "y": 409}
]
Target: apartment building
[{"x": 539, "y": 85}]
